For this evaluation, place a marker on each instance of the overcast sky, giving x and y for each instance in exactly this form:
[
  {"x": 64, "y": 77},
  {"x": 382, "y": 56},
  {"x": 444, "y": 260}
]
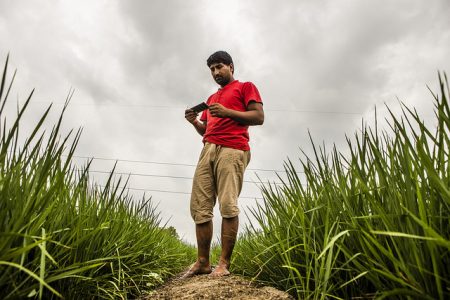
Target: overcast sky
[{"x": 135, "y": 66}]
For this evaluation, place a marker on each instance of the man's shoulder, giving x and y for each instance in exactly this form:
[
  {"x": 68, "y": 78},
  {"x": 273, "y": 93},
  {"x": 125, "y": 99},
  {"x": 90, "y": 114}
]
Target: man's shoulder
[
  {"x": 245, "y": 86},
  {"x": 245, "y": 83}
]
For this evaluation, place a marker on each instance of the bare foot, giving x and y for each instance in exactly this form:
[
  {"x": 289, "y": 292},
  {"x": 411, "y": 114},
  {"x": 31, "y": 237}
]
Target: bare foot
[
  {"x": 197, "y": 269},
  {"x": 220, "y": 270}
]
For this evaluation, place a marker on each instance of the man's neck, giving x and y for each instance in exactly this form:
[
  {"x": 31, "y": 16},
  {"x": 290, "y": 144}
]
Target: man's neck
[{"x": 231, "y": 80}]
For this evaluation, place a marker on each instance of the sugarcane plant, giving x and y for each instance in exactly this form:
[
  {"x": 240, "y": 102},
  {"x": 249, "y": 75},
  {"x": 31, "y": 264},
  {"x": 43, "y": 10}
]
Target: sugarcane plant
[
  {"x": 61, "y": 235},
  {"x": 373, "y": 223}
]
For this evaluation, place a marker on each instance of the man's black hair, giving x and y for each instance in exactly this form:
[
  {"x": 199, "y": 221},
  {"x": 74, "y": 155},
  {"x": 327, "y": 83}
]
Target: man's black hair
[{"x": 219, "y": 57}]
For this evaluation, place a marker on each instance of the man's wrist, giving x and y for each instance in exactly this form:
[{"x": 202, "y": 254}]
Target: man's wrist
[{"x": 228, "y": 113}]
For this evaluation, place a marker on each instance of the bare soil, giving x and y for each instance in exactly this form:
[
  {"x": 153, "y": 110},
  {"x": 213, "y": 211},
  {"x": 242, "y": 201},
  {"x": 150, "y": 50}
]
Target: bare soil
[{"x": 206, "y": 287}]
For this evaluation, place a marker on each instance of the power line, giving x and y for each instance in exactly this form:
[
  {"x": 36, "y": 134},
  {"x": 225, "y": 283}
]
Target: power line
[
  {"x": 136, "y": 161},
  {"x": 171, "y": 192},
  {"x": 316, "y": 111},
  {"x": 160, "y": 176},
  {"x": 168, "y": 163},
  {"x": 173, "y": 108},
  {"x": 140, "y": 174}
]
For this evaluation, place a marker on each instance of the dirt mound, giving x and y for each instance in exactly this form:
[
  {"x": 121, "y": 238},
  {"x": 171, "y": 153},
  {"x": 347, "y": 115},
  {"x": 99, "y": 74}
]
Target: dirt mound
[{"x": 205, "y": 287}]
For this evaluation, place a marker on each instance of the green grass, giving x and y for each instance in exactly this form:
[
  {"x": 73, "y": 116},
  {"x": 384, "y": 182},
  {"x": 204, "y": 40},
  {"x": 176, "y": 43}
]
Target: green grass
[
  {"x": 60, "y": 236},
  {"x": 371, "y": 224}
]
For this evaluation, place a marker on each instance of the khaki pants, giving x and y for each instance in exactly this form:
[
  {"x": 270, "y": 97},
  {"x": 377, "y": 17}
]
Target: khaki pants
[{"x": 219, "y": 174}]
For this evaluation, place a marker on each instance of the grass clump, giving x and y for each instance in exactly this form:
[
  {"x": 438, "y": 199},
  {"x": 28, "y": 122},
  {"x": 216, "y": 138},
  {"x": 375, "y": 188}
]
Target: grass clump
[
  {"x": 372, "y": 224},
  {"x": 62, "y": 237}
]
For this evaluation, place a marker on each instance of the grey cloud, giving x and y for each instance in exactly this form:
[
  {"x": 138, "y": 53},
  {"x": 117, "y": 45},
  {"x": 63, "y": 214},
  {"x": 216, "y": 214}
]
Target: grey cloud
[
  {"x": 166, "y": 54},
  {"x": 123, "y": 57}
]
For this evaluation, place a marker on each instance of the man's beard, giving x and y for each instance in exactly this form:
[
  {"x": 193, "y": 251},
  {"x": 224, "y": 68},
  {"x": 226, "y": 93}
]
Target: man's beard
[{"x": 222, "y": 80}]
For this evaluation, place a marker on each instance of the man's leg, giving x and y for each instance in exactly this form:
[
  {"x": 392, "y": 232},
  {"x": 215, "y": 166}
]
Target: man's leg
[
  {"x": 202, "y": 203},
  {"x": 204, "y": 233},
  {"x": 231, "y": 166},
  {"x": 229, "y": 232}
]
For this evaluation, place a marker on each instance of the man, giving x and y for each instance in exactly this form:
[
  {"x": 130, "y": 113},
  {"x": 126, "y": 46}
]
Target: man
[{"x": 225, "y": 155}]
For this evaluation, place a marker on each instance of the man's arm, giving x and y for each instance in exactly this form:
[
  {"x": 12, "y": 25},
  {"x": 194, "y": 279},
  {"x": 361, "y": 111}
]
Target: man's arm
[
  {"x": 254, "y": 115},
  {"x": 191, "y": 116}
]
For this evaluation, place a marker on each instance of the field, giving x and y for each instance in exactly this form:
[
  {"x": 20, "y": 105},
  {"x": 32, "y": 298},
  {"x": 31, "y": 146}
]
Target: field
[
  {"x": 372, "y": 224},
  {"x": 60, "y": 236}
]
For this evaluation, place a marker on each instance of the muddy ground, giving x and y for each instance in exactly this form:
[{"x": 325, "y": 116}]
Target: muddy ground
[{"x": 206, "y": 287}]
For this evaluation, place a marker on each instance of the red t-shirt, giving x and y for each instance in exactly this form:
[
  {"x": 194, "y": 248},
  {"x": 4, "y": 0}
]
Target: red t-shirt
[{"x": 225, "y": 131}]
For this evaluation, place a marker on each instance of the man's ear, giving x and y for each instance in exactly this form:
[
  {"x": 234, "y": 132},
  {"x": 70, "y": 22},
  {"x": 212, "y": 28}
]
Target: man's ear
[{"x": 232, "y": 68}]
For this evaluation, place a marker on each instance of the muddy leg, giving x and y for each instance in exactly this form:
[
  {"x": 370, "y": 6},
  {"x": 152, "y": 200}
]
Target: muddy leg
[
  {"x": 229, "y": 233},
  {"x": 204, "y": 233}
]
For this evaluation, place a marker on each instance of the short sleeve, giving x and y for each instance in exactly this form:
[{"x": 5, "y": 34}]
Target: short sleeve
[{"x": 250, "y": 93}]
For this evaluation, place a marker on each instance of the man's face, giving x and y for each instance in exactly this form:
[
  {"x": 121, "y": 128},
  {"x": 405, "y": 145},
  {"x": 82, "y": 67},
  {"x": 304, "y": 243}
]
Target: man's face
[{"x": 222, "y": 73}]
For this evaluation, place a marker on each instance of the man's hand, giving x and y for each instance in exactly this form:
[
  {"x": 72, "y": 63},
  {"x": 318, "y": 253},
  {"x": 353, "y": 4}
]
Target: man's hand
[
  {"x": 219, "y": 111},
  {"x": 190, "y": 115}
]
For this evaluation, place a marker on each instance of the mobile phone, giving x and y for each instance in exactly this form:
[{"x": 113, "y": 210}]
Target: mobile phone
[{"x": 200, "y": 107}]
